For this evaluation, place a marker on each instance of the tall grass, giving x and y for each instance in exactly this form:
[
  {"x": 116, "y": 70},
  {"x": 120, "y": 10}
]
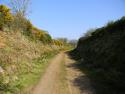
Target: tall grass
[{"x": 21, "y": 60}]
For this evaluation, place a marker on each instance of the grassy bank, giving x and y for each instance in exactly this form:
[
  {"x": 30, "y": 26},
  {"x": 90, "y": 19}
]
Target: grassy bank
[
  {"x": 22, "y": 61},
  {"x": 27, "y": 79},
  {"x": 102, "y": 54},
  {"x": 39, "y": 66}
]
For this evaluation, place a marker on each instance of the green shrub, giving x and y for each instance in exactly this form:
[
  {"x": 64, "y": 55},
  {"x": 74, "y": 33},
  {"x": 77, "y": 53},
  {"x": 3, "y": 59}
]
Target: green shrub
[
  {"x": 5, "y": 16},
  {"x": 41, "y": 35},
  {"x": 57, "y": 42}
]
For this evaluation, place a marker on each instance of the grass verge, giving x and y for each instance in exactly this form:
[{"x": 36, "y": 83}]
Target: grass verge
[{"x": 27, "y": 79}]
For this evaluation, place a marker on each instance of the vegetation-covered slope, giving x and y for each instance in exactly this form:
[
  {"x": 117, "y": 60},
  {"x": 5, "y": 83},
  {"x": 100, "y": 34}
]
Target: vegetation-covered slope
[
  {"x": 22, "y": 61},
  {"x": 24, "y": 51},
  {"x": 17, "y": 22},
  {"x": 103, "y": 54}
]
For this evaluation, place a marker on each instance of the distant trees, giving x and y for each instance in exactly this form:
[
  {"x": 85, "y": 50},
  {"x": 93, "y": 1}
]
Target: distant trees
[
  {"x": 64, "y": 40},
  {"x": 5, "y": 16},
  {"x": 73, "y": 42}
]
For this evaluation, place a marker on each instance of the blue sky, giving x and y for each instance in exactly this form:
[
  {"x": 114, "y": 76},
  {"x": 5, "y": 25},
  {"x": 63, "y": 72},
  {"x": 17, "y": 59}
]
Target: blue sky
[{"x": 72, "y": 18}]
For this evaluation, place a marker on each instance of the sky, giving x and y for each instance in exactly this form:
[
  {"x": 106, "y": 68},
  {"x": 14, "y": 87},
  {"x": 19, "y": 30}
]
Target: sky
[{"x": 72, "y": 18}]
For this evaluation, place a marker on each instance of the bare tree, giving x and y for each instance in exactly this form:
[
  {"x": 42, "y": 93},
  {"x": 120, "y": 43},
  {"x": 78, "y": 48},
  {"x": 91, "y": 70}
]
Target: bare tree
[{"x": 20, "y": 7}]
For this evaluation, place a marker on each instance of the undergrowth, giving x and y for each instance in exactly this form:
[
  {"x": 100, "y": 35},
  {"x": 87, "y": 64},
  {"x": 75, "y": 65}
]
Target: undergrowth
[{"x": 22, "y": 61}]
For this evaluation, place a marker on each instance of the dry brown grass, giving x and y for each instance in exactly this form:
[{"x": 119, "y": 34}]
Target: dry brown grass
[{"x": 16, "y": 55}]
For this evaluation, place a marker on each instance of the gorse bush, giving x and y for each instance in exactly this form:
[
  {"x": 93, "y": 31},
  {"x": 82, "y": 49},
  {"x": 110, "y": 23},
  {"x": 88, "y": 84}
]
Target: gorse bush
[
  {"x": 13, "y": 21},
  {"x": 19, "y": 23},
  {"x": 58, "y": 42},
  {"x": 5, "y": 16},
  {"x": 46, "y": 38},
  {"x": 41, "y": 35}
]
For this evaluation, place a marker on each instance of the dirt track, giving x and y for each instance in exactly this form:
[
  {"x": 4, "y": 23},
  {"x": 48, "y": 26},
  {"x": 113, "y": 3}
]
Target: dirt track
[{"x": 62, "y": 77}]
